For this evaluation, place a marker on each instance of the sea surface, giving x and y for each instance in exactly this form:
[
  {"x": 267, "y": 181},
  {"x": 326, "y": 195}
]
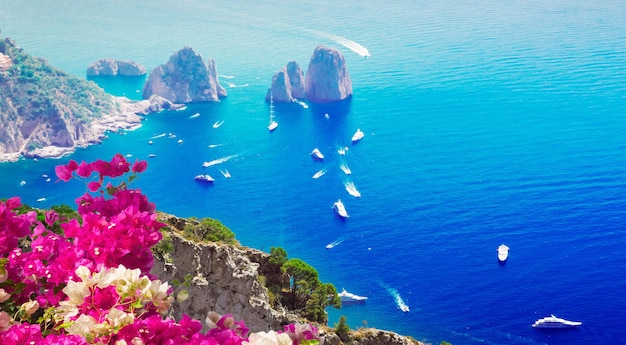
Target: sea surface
[{"x": 486, "y": 122}]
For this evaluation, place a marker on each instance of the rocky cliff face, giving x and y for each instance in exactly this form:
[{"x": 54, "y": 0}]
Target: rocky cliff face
[
  {"x": 327, "y": 79},
  {"x": 287, "y": 84},
  {"x": 226, "y": 280},
  {"x": 111, "y": 67},
  {"x": 185, "y": 78}
]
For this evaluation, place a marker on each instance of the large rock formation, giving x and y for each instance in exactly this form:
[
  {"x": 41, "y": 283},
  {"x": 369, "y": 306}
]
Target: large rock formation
[
  {"x": 185, "y": 78},
  {"x": 327, "y": 79},
  {"x": 111, "y": 67},
  {"x": 287, "y": 84}
]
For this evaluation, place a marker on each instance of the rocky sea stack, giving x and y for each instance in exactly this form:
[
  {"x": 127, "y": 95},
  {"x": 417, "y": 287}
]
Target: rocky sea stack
[
  {"x": 185, "y": 78},
  {"x": 287, "y": 84},
  {"x": 111, "y": 67},
  {"x": 327, "y": 79}
]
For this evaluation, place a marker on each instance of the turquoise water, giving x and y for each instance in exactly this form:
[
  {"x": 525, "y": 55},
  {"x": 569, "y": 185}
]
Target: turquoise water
[{"x": 486, "y": 123}]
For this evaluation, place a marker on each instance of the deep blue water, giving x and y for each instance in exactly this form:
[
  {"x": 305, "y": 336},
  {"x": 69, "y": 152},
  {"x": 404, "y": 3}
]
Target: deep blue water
[{"x": 486, "y": 122}]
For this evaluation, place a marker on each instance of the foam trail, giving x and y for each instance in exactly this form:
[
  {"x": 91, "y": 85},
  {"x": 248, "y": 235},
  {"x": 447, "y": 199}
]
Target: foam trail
[
  {"x": 157, "y": 136},
  {"x": 351, "y": 189},
  {"x": 218, "y": 161},
  {"x": 215, "y": 145},
  {"x": 396, "y": 297},
  {"x": 227, "y": 76},
  {"x": 350, "y": 44},
  {"x": 335, "y": 243}
]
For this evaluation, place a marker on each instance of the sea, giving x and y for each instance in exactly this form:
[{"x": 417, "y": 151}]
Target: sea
[{"x": 486, "y": 122}]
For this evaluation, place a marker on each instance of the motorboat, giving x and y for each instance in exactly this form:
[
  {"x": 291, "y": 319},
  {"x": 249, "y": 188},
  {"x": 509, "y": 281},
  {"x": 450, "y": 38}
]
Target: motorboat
[
  {"x": 152, "y": 155},
  {"x": 194, "y": 116},
  {"x": 358, "y": 135},
  {"x": 503, "y": 252},
  {"x": 350, "y": 298},
  {"x": 555, "y": 322},
  {"x": 217, "y": 124},
  {"x": 340, "y": 209},
  {"x": 204, "y": 178},
  {"x": 273, "y": 124},
  {"x": 180, "y": 141},
  {"x": 317, "y": 154},
  {"x": 404, "y": 308},
  {"x": 351, "y": 189}
]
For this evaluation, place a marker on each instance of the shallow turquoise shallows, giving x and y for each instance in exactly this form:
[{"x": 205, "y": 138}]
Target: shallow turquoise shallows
[{"x": 486, "y": 123}]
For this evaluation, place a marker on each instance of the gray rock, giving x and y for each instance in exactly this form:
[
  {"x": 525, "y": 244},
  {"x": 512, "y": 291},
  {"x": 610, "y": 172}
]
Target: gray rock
[
  {"x": 185, "y": 78},
  {"x": 327, "y": 79},
  {"x": 112, "y": 67},
  {"x": 287, "y": 84}
]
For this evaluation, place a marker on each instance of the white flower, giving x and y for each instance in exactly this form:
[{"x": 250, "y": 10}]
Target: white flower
[
  {"x": 268, "y": 338},
  {"x": 4, "y": 295},
  {"x": 76, "y": 292},
  {"x": 118, "y": 318},
  {"x": 30, "y": 307},
  {"x": 83, "y": 326},
  {"x": 5, "y": 321}
]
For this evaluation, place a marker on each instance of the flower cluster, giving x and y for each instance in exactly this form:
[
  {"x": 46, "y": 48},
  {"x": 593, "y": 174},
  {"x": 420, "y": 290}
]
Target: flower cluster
[{"x": 91, "y": 284}]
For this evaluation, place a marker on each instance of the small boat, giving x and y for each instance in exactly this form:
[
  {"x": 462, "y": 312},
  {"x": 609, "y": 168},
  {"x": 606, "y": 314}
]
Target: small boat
[
  {"x": 194, "y": 115},
  {"x": 319, "y": 173},
  {"x": 503, "y": 252},
  {"x": 345, "y": 169},
  {"x": 150, "y": 142},
  {"x": 273, "y": 124},
  {"x": 41, "y": 199},
  {"x": 152, "y": 155},
  {"x": 204, "y": 178},
  {"x": 172, "y": 135},
  {"x": 22, "y": 183},
  {"x": 340, "y": 209},
  {"x": 180, "y": 141},
  {"x": 217, "y": 124},
  {"x": 348, "y": 298},
  {"x": 351, "y": 189},
  {"x": 304, "y": 105},
  {"x": 404, "y": 308},
  {"x": 327, "y": 116},
  {"x": 358, "y": 135},
  {"x": 555, "y": 322},
  {"x": 317, "y": 154},
  {"x": 341, "y": 151}
]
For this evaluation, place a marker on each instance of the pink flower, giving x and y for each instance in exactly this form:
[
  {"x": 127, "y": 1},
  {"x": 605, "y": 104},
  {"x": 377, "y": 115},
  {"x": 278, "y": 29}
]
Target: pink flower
[
  {"x": 140, "y": 166},
  {"x": 51, "y": 217},
  {"x": 94, "y": 186},
  {"x": 84, "y": 169},
  {"x": 64, "y": 172}
]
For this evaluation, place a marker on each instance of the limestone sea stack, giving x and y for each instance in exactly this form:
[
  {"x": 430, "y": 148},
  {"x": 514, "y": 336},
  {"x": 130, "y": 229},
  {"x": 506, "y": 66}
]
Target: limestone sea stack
[
  {"x": 287, "y": 84},
  {"x": 327, "y": 79},
  {"x": 112, "y": 67},
  {"x": 185, "y": 78}
]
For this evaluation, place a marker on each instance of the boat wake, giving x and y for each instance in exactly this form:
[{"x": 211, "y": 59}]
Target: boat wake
[
  {"x": 397, "y": 298},
  {"x": 158, "y": 136},
  {"x": 225, "y": 173},
  {"x": 304, "y": 105},
  {"x": 351, "y": 189},
  {"x": 218, "y": 161},
  {"x": 345, "y": 169},
  {"x": 194, "y": 116},
  {"x": 217, "y": 124},
  {"x": 319, "y": 173},
  {"x": 350, "y": 44},
  {"x": 215, "y": 145},
  {"x": 335, "y": 243},
  {"x": 227, "y": 76}
]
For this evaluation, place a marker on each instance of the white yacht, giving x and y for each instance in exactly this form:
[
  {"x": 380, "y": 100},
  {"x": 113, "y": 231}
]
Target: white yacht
[
  {"x": 503, "y": 252},
  {"x": 358, "y": 135},
  {"x": 345, "y": 169},
  {"x": 350, "y": 298},
  {"x": 319, "y": 173},
  {"x": 194, "y": 116},
  {"x": 555, "y": 322},
  {"x": 204, "y": 178},
  {"x": 340, "y": 209},
  {"x": 273, "y": 124},
  {"x": 317, "y": 154}
]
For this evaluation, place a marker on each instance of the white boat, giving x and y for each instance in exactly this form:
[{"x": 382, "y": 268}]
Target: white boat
[
  {"x": 358, "y": 135},
  {"x": 340, "y": 209},
  {"x": 341, "y": 151},
  {"x": 41, "y": 199},
  {"x": 180, "y": 141},
  {"x": 351, "y": 189},
  {"x": 204, "y": 178},
  {"x": 304, "y": 105},
  {"x": 150, "y": 142},
  {"x": 225, "y": 173},
  {"x": 152, "y": 155},
  {"x": 217, "y": 124},
  {"x": 194, "y": 115},
  {"x": 317, "y": 154},
  {"x": 404, "y": 308},
  {"x": 350, "y": 298},
  {"x": 22, "y": 183},
  {"x": 273, "y": 124},
  {"x": 503, "y": 252},
  {"x": 555, "y": 322},
  {"x": 319, "y": 173},
  {"x": 345, "y": 169}
]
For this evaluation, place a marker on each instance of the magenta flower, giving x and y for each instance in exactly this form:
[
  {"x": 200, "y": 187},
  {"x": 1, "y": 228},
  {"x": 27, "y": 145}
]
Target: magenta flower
[
  {"x": 84, "y": 169},
  {"x": 64, "y": 172},
  {"x": 140, "y": 166}
]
